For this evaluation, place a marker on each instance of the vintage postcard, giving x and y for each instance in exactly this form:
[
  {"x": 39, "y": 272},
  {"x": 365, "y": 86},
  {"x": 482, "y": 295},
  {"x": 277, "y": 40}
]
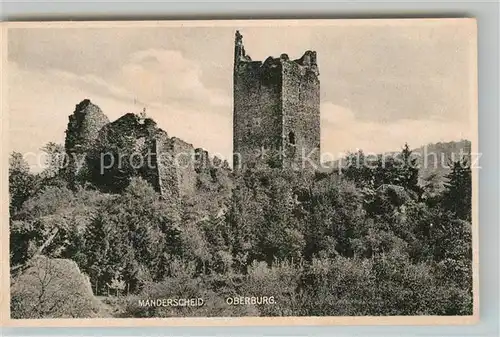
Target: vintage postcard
[{"x": 261, "y": 172}]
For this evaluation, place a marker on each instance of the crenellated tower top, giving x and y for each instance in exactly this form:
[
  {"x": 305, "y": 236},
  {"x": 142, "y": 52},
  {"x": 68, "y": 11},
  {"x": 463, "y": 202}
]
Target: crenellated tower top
[
  {"x": 307, "y": 62},
  {"x": 239, "y": 49}
]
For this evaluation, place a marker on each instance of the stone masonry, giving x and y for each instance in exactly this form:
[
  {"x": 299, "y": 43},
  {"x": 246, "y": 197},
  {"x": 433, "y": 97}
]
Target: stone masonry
[
  {"x": 113, "y": 152},
  {"x": 276, "y": 121},
  {"x": 83, "y": 128},
  {"x": 276, "y": 115}
]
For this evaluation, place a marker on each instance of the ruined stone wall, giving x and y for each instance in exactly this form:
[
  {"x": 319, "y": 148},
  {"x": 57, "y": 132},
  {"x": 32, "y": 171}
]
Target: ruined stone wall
[
  {"x": 84, "y": 125},
  {"x": 121, "y": 151},
  {"x": 140, "y": 148},
  {"x": 183, "y": 160},
  {"x": 301, "y": 114},
  {"x": 201, "y": 160},
  {"x": 114, "y": 152},
  {"x": 257, "y": 109},
  {"x": 166, "y": 178},
  {"x": 82, "y": 131}
]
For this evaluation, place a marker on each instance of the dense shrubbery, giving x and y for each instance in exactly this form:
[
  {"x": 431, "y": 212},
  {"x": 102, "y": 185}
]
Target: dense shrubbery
[
  {"x": 53, "y": 288},
  {"x": 371, "y": 241}
]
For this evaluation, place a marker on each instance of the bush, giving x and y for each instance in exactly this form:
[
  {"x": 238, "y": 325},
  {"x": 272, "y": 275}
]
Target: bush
[
  {"x": 281, "y": 281},
  {"x": 53, "y": 288},
  {"x": 183, "y": 282},
  {"x": 366, "y": 243}
]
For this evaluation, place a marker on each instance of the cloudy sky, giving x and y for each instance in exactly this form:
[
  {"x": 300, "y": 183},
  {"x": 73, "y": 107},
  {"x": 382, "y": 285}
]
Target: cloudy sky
[{"x": 382, "y": 84}]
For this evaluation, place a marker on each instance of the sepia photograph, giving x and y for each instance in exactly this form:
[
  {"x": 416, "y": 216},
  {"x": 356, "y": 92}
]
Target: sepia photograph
[{"x": 290, "y": 170}]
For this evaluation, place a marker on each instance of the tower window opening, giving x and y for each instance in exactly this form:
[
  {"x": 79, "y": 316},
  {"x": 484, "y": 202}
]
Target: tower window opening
[{"x": 291, "y": 138}]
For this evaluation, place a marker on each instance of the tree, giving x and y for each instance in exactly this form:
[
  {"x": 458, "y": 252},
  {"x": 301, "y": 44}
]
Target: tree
[
  {"x": 117, "y": 284},
  {"x": 458, "y": 194},
  {"x": 386, "y": 171},
  {"x": 408, "y": 172},
  {"x": 96, "y": 248},
  {"x": 134, "y": 232},
  {"x": 333, "y": 213},
  {"x": 22, "y": 183},
  {"x": 55, "y": 159},
  {"x": 398, "y": 169},
  {"x": 432, "y": 189},
  {"x": 359, "y": 170}
]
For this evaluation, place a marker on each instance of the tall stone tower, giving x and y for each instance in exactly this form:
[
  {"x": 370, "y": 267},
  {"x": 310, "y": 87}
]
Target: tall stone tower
[{"x": 276, "y": 117}]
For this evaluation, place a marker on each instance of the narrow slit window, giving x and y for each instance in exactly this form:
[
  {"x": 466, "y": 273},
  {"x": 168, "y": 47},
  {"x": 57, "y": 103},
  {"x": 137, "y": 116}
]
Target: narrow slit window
[{"x": 291, "y": 138}]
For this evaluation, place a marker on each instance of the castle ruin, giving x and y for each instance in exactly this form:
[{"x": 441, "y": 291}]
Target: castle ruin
[
  {"x": 107, "y": 154},
  {"x": 276, "y": 115},
  {"x": 276, "y": 121}
]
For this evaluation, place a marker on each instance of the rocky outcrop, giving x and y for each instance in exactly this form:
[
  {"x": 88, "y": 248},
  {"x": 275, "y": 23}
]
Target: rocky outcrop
[{"x": 53, "y": 288}]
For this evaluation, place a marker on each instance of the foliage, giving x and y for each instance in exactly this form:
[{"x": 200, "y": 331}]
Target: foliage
[
  {"x": 22, "y": 183},
  {"x": 458, "y": 196},
  {"x": 52, "y": 288},
  {"x": 374, "y": 240},
  {"x": 55, "y": 160}
]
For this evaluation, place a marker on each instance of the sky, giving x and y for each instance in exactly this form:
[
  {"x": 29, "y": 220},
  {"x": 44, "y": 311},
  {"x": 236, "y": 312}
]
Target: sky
[{"x": 383, "y": 83}]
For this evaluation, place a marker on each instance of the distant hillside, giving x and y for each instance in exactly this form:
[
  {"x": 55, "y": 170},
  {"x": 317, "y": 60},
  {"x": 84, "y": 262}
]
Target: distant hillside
[
  {"x": 432, "y": 159},
  {"x": 436, "y": 158}
]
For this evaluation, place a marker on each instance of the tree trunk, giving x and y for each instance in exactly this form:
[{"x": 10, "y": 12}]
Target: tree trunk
[{"x": 38, "y": 251}]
